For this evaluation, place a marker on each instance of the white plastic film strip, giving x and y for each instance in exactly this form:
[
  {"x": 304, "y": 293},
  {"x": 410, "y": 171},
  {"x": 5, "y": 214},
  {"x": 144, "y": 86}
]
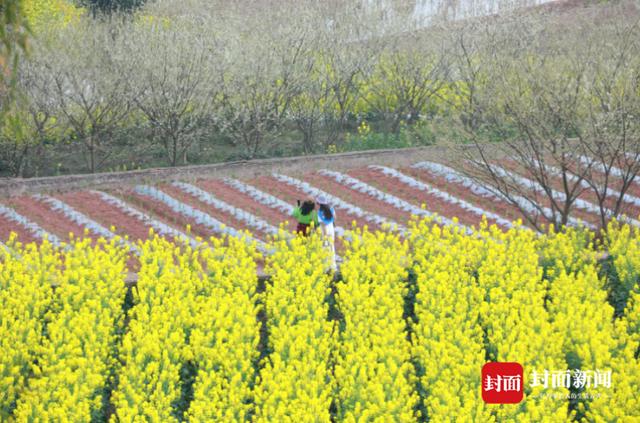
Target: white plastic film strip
[
  {"x": 81, "y": 219},
  {"x": 158, "y": 226},
  {"x": 362, "y": 187},
  {"x": 557, "y": 195},
  {"x": 194, "y": 214},
  {"x": 523, "y": 203},
  {"x": 243, "y": 216},
  {"x": 445, "y": 196},
  {"x": 626, "y": 198},
  {"x": 32, "y": 227},
  {"x": 268, "y": 200}
]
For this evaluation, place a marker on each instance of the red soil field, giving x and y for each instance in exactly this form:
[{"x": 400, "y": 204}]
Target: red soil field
[
  {"x": 584, "y": 193},
  {"x": 245, "y": 202},
  {"x": 106, "y": 214},
  {"x": 163, "y": 213},
  {"x": 7, "y": 226},
  {"x": 501, "y": 208},
  {"x": 50, "y": 220},
  {"x": 356, "y": 198},
  {"x": 223, "y": 217},
  {"x": 613, "y": 182},
  {"x": 291, "y": 194},
  {"x": 543, "y": 199},
  {"x": 416, "y": 197}
]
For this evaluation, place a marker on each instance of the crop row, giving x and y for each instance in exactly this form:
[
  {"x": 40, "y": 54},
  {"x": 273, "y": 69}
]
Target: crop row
[
  {"x": 401, "y": 336},
  {"x": 375, "y": 196}
]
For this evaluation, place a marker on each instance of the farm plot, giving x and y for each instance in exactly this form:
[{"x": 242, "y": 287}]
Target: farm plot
[
  {"x": 516, "y": 203},
  {"x": 107, "y": 213},
  {"x": 292, "y": 189},
  {"x": 588, "y": 198},
  {"x": 246, "y": 197},
  {"x": 26, "y": 230},
  {"x": 420, "y": 193},
  {"x": 374, "y": 196},
  {"x": 584, "y": 211},
  {"x": 448, "y": 180}
]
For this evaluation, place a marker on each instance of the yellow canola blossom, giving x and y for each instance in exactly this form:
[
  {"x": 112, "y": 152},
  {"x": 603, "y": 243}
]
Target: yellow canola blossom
[
  {"x": 373, "y": 371},
  {"x": 615, "y": 343},
  {"x": 51, "y": 14},
  {"x": 402, "y": 337},
  {"x": 623, "y": 245},
  {"x": 592, "y": 341},
  {"x": 295, "y": 383},
  {"x": 153, "y": 350},
  {"x": 78, "y": 348},
  {"x": 570, "y": 249},
  {"x": 225, "y": 336},
  {"x": 448, "y": 340},
  {"x": 516, "y": 321},
  {"x": 25, "y": 298},
  {"x": 195, "y": 312}
]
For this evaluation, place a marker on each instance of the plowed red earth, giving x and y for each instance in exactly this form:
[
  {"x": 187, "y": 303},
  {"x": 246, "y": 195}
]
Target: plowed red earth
[
  {"x": 499, "y": 207},
  {"x": 245, "y": 202},
  {"x": 291, "y": 194},
  {"x": 164, "y": 213},
  {"x": 106, "y": 214},
  {"x": 50, "y": 220},
  {"x": 7, "y": 226},
  {"x": 575, "y": 189},
  {"x": 356, "y": 198},
  {"x": 417, "y": 197},
  {"x": 221, "y": 216}
]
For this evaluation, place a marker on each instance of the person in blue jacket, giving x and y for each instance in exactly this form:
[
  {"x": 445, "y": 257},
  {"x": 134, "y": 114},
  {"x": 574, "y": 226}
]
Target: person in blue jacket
[{"x": 326, "y": 220}]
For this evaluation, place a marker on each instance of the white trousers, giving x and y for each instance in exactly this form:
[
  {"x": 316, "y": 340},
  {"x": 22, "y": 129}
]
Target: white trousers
[{"x": 329, "y": 242}]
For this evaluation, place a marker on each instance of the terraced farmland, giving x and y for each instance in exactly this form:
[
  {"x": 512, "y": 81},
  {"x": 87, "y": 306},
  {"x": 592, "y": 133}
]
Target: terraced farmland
[{"x": 199, "y": 207}]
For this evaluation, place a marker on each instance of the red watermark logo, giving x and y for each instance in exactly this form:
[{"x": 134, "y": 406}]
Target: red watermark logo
[{"x": 502, "y": 383}]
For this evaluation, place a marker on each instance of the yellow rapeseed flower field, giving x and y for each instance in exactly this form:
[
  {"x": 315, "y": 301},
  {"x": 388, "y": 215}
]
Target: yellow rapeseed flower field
[{"x": 401, "y": 333}]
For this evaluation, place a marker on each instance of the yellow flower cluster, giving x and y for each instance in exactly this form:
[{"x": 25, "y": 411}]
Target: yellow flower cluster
[
  {"x": 295, "y": 383},
  {"x": 25, "y": 297},
  {"x": 225, "y": 338},
  {"x": 514, "y": 317},
  {"x": 402, "y": 336},
  {"x": 591, "y": 340},
  {"x": 447, "y": 297},
  {"x": 193, "y": 307},
  {"x": 373, "y": 369},
  {"x": 78, "y": 345},
  {"x": 624, "y": 248},
  {"x": 614, "y": 344},
  {"x": 569, "y": 250},
  {"x": 51, "y": 14},
  {"x": 153, "y": 348}
]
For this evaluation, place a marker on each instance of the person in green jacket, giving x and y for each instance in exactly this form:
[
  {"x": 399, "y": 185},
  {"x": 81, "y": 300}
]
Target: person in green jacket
[{"x": 305, "y": 214}]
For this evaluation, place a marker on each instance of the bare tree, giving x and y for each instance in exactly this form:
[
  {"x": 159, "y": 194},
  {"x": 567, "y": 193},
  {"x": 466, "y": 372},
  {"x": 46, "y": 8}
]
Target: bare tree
[
  {"x": 408, "y": 76},
  {"x": 32, "y": 122},
  {"x": 564, "y": 102},
  {"x": 264, "y": 81},
  {"x": 308, "y": 107},
  {"x": 89, "y": 88},
  {"x": 174, "y": 83},
  {"x": 344, "y": 69},
  {"x": 333, "y": 72}
]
